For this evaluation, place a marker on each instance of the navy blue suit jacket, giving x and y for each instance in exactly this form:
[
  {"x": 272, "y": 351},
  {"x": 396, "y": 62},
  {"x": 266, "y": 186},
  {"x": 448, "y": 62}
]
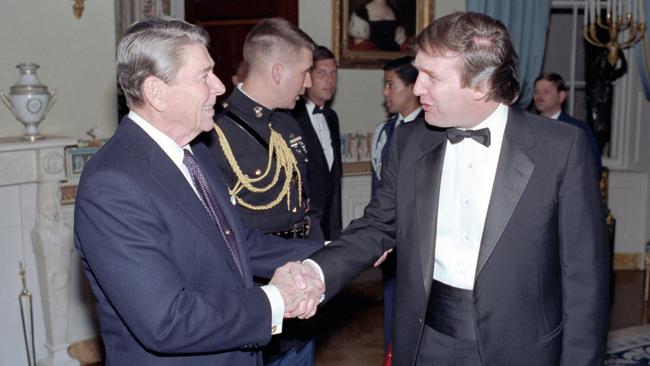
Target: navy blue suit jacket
[
  {"x": 168, "y": 291},
  {"x": 595, "y": 150}
]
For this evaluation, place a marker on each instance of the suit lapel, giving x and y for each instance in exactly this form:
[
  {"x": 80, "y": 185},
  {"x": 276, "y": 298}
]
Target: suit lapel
[
  {"x": 168, "y": 177},
  {"x": 513, "y": 173},
  {"x": 218, "y": 186},
  {"x": 174, "y": 184},
  {"x": 166, "y": 174},
  {"x": 170, "y": 180},
  {"x": 428, "y": 173}
]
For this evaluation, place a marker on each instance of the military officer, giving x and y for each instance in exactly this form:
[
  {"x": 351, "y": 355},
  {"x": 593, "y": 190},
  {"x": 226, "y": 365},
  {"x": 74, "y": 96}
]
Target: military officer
[
  {"x": 260, "y": 153},
  {"x": 258, "y": 144}
]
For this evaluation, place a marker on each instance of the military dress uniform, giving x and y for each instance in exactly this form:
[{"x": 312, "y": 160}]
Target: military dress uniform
[
  {"x": 246, "y": 125},
  {"x": 243, "y": 123}
]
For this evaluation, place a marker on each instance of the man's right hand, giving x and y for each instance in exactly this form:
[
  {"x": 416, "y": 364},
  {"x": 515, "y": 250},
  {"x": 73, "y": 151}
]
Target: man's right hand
[{"x": 300, "y": 287}]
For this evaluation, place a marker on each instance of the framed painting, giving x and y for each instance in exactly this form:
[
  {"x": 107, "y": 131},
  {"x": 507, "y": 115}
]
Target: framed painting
[{"x": 368, "y": 33}]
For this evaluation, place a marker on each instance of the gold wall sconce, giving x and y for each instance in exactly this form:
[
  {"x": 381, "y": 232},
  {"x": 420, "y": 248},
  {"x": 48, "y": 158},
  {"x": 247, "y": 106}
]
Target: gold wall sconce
[{"x": 78, "y": 8}]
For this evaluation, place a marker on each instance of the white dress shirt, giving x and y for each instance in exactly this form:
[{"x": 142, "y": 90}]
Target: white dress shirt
[
  {"x": 176, "y": 154},
  {"x": 466, "y": 186},
  {"x": 319, "y": 123}
]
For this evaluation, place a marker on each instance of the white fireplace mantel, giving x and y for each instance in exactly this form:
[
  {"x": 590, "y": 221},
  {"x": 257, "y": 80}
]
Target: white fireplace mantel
[{"x": 33, "y": 231}]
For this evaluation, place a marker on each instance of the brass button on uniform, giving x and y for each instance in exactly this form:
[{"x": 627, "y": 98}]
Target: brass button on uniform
[
  {"x": 258, "y": 172},
  {"x": 227, "y": 232},
  {"x": 294, "y": 210},
  {"x": 258, "y": 111}
]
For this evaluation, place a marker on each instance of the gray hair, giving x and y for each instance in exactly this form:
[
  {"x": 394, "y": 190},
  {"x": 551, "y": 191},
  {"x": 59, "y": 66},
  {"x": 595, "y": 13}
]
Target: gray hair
[
  {"x": 274, "y": 39},
  {"x": 153, "y": 47}
]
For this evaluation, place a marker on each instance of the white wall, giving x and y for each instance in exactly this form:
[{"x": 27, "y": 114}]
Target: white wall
[
  {"x": 630, "y": 167},
  {"x": 77, "y": 58}
]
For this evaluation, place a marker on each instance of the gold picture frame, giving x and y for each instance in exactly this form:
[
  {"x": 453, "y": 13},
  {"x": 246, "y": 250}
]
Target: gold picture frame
[{"x": 362, "y": 53}]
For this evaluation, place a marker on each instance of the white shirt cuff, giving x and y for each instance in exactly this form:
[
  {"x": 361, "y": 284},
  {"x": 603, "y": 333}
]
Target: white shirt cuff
[
  {"x": 316, "y": 267},
  {"x": 277, "y": 307}
]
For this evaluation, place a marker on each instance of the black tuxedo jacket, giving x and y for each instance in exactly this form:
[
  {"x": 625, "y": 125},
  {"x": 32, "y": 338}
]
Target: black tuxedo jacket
[
  {"x": 541, "y": 288},
  {"x": 325, "y": 184}
]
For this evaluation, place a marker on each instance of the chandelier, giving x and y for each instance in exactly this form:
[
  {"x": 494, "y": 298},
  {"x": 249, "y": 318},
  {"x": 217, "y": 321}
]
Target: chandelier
[{"x": 623, "y": 18}]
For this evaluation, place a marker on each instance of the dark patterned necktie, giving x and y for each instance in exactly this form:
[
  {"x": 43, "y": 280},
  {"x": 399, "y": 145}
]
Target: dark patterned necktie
[
  {"x": 481, "y": 136},
  {"x": 209, "y": 202}
]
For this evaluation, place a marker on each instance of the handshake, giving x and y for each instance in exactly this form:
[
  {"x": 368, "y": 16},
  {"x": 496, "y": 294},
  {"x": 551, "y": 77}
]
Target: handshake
[{"x": 301, "y": 289}]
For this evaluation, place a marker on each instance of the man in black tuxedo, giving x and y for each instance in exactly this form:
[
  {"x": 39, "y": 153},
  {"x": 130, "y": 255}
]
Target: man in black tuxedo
[
  {"x": 321, "y": 134},
  {"x": 503, "y": 257},
  {"x": 549, "y": 94}
]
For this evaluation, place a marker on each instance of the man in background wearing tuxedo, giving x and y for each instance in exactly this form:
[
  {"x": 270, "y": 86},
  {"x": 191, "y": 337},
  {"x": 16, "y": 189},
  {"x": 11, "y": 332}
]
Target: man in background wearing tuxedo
[{"x": 321, "y": 134}]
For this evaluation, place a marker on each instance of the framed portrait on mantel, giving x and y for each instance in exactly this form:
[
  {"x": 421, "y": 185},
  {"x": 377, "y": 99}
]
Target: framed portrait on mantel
[{"x": 368, "y": 33}]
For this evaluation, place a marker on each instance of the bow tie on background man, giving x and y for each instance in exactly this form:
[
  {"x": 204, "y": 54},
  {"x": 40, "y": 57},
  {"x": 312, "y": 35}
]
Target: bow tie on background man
[
  {"x": 481, "y": 136},
  {"x": 318, "y": 110}
]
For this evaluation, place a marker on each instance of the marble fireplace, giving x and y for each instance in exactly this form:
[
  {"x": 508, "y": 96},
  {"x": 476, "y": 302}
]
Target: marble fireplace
[{"x": 37, "y": 230}]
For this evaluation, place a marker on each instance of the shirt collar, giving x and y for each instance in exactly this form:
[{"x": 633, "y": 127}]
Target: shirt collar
[
  {"x": 495, "y": 119},
  {"x": 165, "y": 142},
  {"x": 410, "y": 117},
  {"x": 309, "y": 105},
  {"x": 250, "y": 109},
  {"x": 556, "y": 115}
]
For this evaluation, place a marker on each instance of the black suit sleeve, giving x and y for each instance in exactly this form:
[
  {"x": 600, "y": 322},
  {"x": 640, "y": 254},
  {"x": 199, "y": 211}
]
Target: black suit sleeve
[
  {"x": 366, "y": 238},
  {"x": 585, "y": 260}
]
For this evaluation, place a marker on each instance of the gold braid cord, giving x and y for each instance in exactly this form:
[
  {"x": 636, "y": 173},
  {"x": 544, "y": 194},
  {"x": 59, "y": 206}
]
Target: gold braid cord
[{"x": 285, "y": 160}]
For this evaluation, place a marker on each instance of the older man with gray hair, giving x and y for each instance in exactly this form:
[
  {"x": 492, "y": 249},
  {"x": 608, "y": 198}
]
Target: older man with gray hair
[{"x": 167, "y": 257}]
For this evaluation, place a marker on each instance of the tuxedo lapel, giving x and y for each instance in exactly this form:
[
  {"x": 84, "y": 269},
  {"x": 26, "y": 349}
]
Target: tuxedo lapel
[
  {"x": 311, "y": 137},
  {"x": 333, "y": 126},
  {"x": 428, "y": 173},
  {"x": 513, "y": 173}
]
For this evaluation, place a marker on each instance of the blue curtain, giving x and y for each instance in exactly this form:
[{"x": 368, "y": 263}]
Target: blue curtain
[
  {"x": 527, "y": 22},
  {"x": 642, "y": 57}
]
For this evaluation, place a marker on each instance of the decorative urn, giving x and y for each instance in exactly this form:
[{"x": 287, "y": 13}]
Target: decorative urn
[{"x": 29, "y": 100}]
